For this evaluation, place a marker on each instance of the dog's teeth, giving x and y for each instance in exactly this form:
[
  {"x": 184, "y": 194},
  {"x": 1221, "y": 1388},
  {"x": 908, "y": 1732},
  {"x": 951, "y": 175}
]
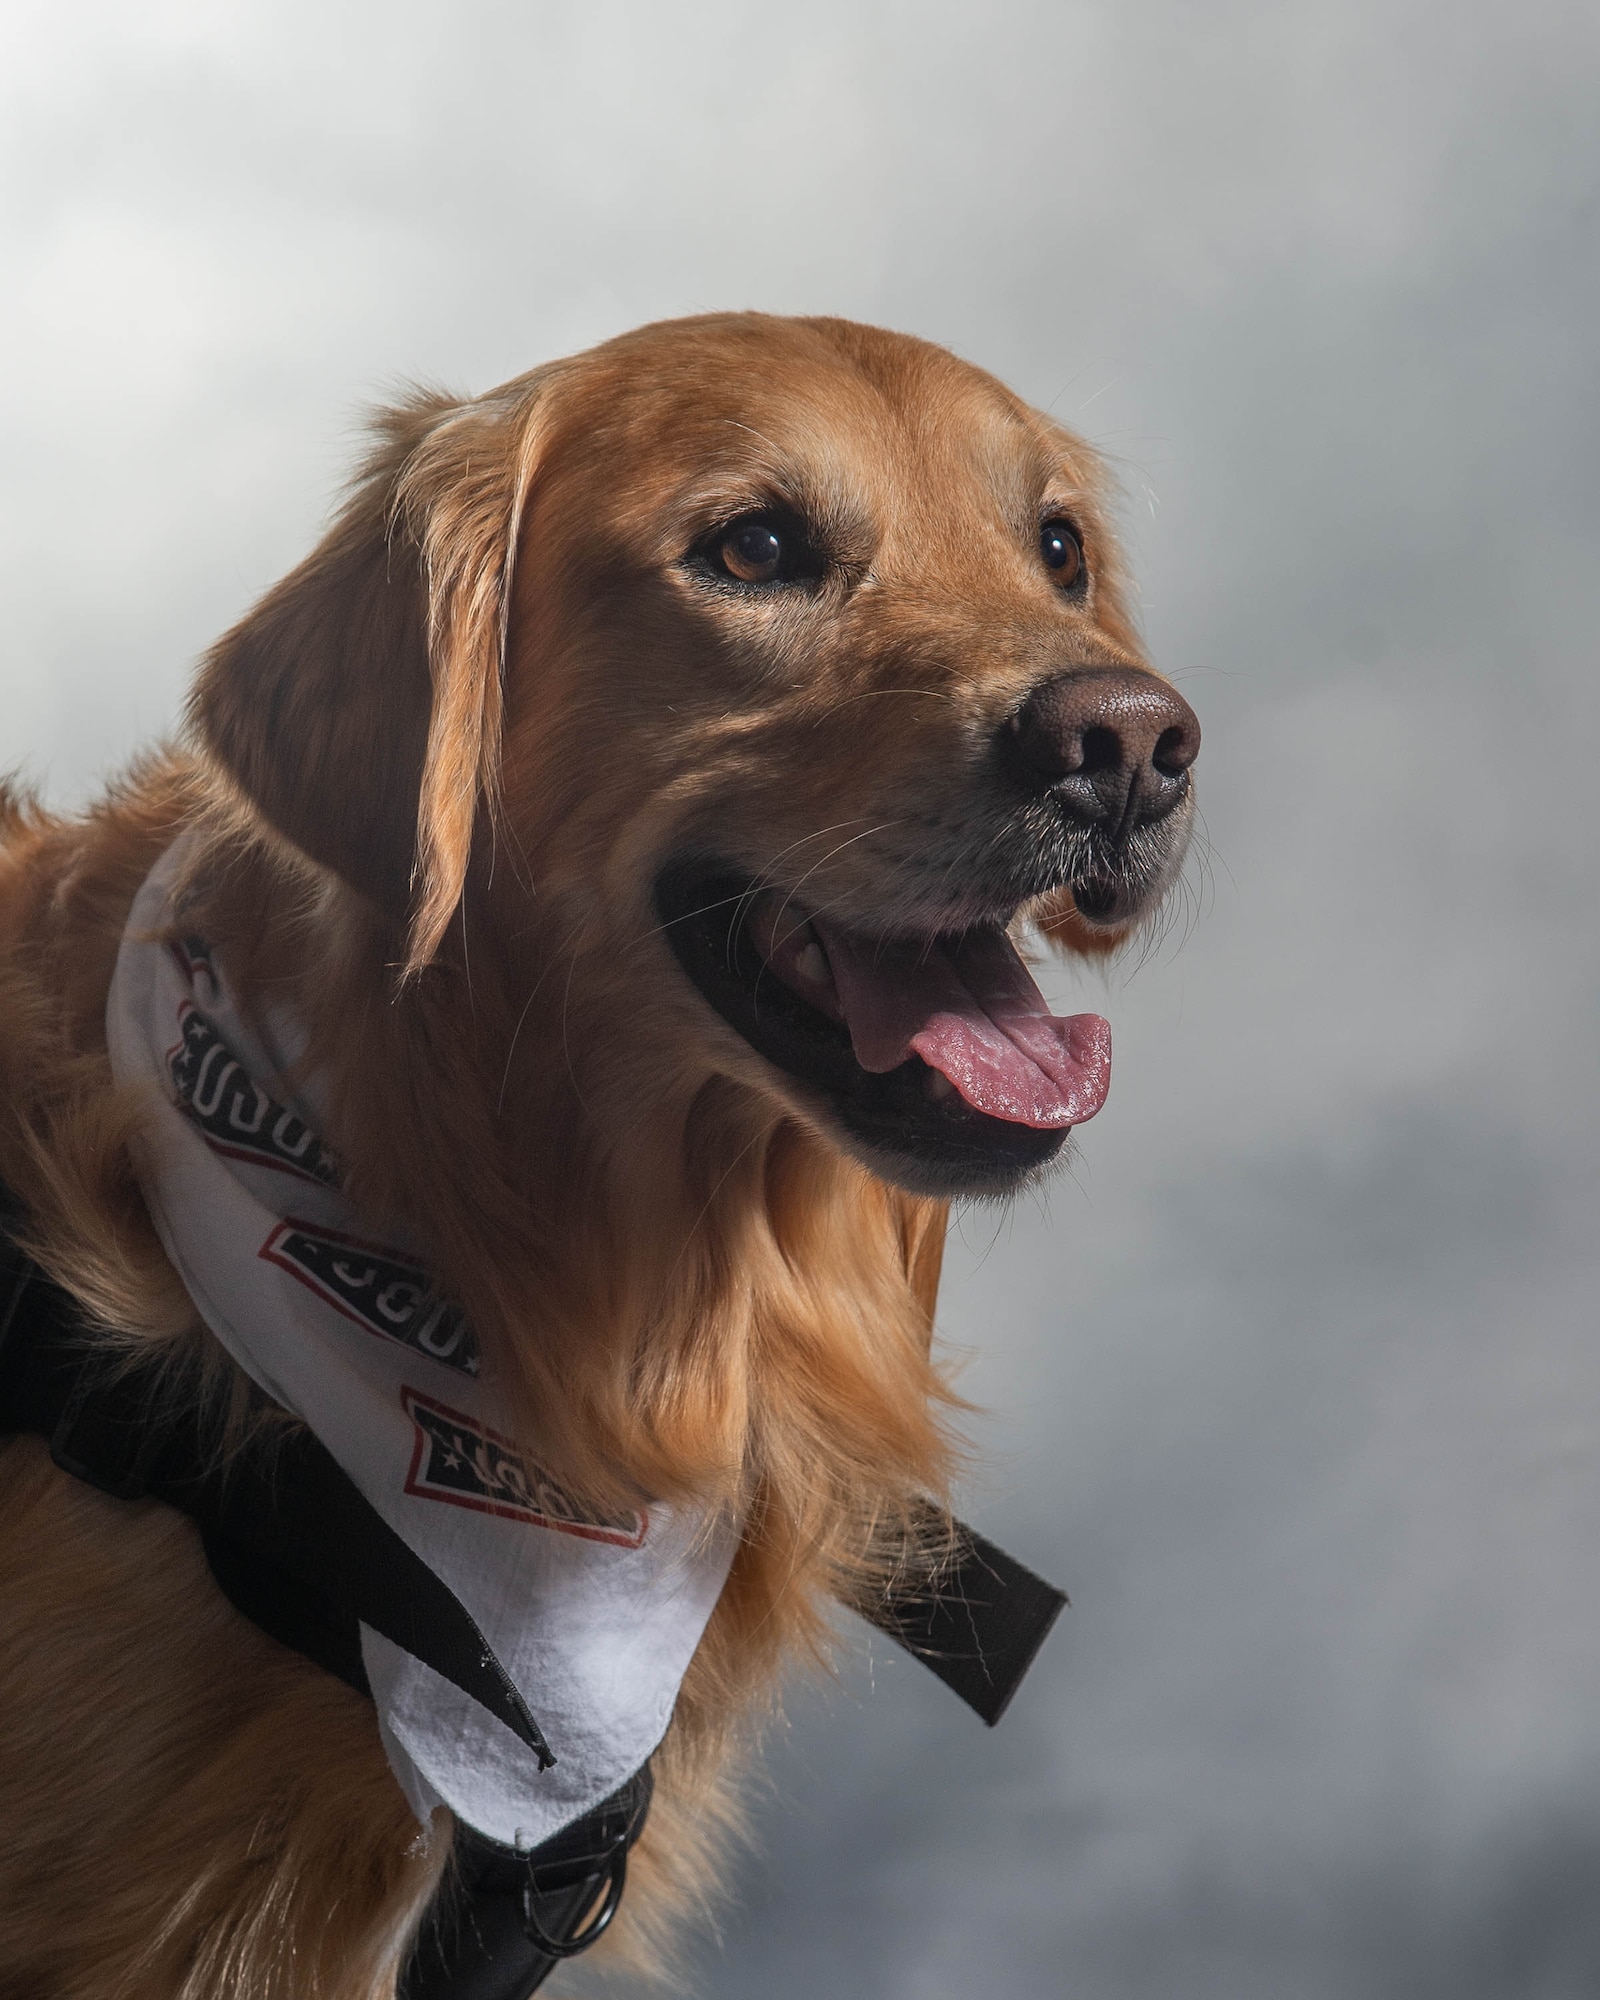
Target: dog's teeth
[
  {"x": 938, "y": 1086},
  {"x": 811, "y": 962}
]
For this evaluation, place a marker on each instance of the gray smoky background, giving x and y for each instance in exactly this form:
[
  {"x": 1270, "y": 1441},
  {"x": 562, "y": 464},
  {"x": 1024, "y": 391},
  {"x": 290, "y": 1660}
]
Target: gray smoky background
[{"x": 1292, "y": 1380}]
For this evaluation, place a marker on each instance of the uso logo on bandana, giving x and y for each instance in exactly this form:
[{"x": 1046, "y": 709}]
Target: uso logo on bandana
[
  {"x": 235, "y": 1115},
  {"x": 463, "y": 1462},
  {"x": 376, "y": 1289}
]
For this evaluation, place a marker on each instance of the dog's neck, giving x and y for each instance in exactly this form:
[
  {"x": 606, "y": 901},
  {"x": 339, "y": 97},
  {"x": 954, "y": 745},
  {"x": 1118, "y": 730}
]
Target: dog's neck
[{"x": 717, "y": 1303}]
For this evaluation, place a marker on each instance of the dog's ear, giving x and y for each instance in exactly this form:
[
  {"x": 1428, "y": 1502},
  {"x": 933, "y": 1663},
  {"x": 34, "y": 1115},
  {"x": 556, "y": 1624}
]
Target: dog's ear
[{"x": 358, "y": 705}]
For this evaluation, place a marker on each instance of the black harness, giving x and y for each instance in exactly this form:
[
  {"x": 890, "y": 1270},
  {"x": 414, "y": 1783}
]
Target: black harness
[{"x": 295, "y": 1547}]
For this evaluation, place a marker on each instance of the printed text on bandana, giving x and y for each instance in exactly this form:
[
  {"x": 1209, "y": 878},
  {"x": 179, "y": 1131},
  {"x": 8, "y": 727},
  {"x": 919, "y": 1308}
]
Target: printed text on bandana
[
  {"x": 234, "y": 1113},
  {"x": 375, "y": 1289},
  {"x": 461, "y": 1461}
]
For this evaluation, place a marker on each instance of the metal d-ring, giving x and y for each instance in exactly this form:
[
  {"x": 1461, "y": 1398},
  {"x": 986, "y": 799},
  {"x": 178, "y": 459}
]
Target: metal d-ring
[{"x": 617, "y": 1878}]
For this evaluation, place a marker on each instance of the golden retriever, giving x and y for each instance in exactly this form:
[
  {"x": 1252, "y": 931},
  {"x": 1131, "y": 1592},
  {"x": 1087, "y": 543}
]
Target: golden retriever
[{"x": 794, "y": 619}]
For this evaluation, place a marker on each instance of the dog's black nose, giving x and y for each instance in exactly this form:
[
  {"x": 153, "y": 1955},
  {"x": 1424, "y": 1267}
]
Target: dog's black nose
[{"x": 1111, "y": 745}]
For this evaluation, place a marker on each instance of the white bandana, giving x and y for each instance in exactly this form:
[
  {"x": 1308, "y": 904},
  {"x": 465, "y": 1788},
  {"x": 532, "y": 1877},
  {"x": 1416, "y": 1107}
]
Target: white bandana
[{"x": 594, "y": 1621}]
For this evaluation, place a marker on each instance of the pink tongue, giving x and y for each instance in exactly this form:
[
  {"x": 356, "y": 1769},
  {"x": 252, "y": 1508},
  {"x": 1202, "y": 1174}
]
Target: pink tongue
[{"x": 971, "y": 1010}]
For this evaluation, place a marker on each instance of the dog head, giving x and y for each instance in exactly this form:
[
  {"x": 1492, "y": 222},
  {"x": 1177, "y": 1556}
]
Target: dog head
[{"x": 752, "y": 680}]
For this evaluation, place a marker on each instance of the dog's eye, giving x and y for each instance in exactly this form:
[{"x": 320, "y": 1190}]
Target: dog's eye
[
  {"x": 753, "y": 551},
  {"x": 1062, "y": 552},
  {"x": 761, "y": 549}
]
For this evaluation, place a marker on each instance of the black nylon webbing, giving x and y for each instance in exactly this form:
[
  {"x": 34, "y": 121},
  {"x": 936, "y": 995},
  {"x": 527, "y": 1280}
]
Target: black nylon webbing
[
  {"x": 298, "y": 1551},
  {"x": 296, "y": 1548},
  {"x": 976, "y": 1617},
  {"x": 285, "y": 1528}
]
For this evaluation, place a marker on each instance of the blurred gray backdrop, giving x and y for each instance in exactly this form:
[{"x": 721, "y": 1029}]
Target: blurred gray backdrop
[{"x": 1294, "y": 1379}]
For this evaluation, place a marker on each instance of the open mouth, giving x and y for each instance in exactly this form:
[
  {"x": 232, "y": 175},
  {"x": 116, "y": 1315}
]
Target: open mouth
[{"x": 936, "y": 1055}]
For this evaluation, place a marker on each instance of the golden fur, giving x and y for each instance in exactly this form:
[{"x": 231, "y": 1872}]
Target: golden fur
[{"x": 434, "y": 771}]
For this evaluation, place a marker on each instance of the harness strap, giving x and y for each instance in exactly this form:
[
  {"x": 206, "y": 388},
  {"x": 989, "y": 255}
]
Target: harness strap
[
  {"x": 284, "y": 1528},
  {"x": 975, "y": 1619},
  {"x": 288, "y": 1537},
  {"x": 503, "y": 1921},
  {"x": 297, "y": 1549}
]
